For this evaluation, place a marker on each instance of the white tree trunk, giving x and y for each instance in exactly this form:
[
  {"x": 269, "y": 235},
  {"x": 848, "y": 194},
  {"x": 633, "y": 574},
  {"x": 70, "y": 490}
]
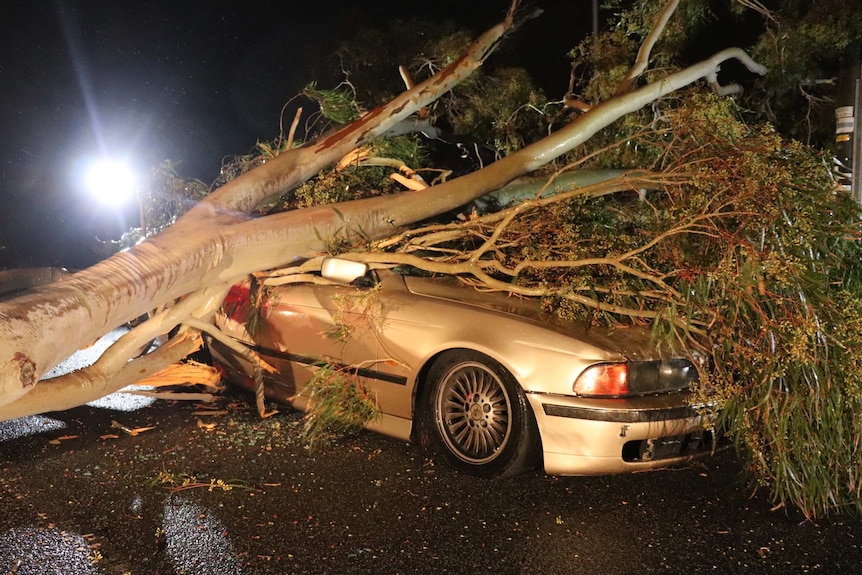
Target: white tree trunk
[{"x": 215, "y": 244}]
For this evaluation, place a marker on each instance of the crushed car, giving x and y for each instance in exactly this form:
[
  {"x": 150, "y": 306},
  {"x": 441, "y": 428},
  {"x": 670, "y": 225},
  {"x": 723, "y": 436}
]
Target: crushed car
[{"x": 494, "y": 383}]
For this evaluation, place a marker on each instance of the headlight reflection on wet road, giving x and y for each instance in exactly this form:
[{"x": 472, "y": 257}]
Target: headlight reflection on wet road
[
  {"x": 34, "y": 551},
  {"x": 195, "y": 540}
]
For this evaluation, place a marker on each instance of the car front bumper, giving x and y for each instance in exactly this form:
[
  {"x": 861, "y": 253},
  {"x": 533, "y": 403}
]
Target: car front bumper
[{"x": 602, "y": 436}]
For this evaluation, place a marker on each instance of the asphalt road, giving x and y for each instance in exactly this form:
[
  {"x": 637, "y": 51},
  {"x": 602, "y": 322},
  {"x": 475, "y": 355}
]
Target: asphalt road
[{"x": 80, "y": 494}]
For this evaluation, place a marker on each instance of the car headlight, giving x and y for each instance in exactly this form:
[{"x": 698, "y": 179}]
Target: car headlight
[
  {"x": 603, "y": 380},
  {"x": 635, "y": 378}
]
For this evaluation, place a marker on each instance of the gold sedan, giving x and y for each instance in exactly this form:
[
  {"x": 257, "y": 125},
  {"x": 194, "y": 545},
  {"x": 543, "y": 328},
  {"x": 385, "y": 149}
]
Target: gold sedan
[{"x": 491, "y": 382}]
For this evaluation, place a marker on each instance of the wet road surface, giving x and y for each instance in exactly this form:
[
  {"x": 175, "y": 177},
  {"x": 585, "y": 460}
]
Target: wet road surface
[
  {"x": 230, "y": 493},
  {"x": 131, "y": 486}
]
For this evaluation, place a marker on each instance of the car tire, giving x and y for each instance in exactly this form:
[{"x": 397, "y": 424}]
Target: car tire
[{"x": 478, "y": 418}]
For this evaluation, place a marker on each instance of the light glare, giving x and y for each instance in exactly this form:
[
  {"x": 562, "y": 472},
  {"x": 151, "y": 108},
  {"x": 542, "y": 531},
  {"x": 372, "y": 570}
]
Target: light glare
[{"x": 111, "y": 181}]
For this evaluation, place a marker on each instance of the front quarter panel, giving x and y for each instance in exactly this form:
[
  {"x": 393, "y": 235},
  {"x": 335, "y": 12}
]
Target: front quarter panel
[{"x": 416, "y": 328}]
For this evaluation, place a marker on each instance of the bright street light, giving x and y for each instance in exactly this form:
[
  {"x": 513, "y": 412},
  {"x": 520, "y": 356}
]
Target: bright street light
[{"x": 111, "y": 181}]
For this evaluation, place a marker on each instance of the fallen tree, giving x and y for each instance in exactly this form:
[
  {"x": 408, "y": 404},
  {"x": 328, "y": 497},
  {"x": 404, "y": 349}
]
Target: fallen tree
[
  {"x": 733, "y": 239},
  {"x": 215, "y": 243}
]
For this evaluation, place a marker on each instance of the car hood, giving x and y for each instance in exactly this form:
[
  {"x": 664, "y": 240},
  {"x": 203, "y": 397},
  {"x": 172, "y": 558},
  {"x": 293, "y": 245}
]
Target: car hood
[{"x": 633, "y": 342}]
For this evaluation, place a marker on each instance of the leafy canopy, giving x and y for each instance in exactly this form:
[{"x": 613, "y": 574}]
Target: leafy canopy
[{"x": 732, "y": 237}]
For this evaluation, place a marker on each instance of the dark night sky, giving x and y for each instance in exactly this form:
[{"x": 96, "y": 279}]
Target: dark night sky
[{"x": 189, "y": 81}]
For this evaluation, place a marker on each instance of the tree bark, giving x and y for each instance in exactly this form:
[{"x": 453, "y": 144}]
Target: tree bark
[
  {"x": 43, "y": 327},
  {"x": 216, "y": 244}
]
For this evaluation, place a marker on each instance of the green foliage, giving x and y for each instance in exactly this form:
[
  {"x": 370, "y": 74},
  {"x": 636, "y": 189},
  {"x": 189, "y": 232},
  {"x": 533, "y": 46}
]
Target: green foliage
[
  {"x": 804, "y": 47},
  {"x": 500, "y": 108},
  {"x": 338, "y": 105},
  {"x": 604, "y": 60},
  {"x": 360, "y": 181},
  {"x": 166, "y": 196},
  {"x": 370, "y": 58},
  {"x": 356, "y": 314},
  {"x": 773, "y": 273},
  {"x": 783, "y": 287},
  {"x": 756, "y": 248},
  {"x": 742, "y": 247},
  {"x": 505, "y": 111},
  {"x": 803, "y": 43},
  {"x": 338, "y": 404},
  {"x": 338, "y": 401},
  {"x": 739, "y": 245}
]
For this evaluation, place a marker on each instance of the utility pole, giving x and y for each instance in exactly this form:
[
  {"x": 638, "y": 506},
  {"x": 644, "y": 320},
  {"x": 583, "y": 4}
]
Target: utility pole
[{"x": 848, "y": 127}]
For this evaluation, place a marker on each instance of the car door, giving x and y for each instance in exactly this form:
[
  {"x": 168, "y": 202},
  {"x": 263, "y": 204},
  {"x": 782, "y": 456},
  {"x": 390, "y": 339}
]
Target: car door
[{"x": 310, "y": 326}]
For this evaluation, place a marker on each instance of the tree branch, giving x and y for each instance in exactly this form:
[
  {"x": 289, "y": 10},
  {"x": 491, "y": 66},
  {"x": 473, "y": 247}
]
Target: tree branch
[
  {"x": 649, "y": 42},
  {"x": 183, "y": 258},
  {"x": 90, "y": 384},
  {"x": 297, "y": 165},
  {"x": 212, "y": 244}
]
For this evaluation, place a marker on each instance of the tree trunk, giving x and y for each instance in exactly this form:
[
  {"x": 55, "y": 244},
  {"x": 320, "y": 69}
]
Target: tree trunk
[{"x": 216, "y": 244}]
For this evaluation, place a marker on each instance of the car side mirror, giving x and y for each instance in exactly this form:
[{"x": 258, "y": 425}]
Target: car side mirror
[{"x": 342, "y": 271}]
